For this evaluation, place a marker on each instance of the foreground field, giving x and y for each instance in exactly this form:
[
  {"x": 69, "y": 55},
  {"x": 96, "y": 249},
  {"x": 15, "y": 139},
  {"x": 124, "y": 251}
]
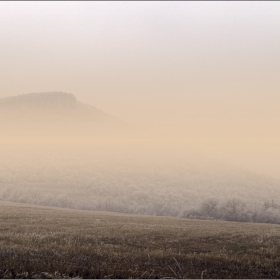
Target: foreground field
[{"x": 45, "y": 242}]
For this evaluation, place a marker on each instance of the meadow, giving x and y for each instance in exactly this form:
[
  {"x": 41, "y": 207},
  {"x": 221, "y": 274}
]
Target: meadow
[{"x": 48, "y": 242}]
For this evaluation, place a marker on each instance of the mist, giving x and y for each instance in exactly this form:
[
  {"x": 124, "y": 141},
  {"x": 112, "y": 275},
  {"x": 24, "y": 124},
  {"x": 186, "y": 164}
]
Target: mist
[{"x": 145, "y": 108}]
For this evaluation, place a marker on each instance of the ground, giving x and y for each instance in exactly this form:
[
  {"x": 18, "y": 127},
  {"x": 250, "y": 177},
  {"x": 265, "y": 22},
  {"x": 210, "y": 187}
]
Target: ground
[{"x": 49, "y": 242}]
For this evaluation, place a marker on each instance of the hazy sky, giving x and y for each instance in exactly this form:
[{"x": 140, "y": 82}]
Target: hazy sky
[{"x": 207, "y": 70}]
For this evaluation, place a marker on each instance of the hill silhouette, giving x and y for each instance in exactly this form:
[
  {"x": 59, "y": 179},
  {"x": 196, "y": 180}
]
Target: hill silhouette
[
  {"x": 52, "y": 114},
  {"x": 49, "y": 103}
]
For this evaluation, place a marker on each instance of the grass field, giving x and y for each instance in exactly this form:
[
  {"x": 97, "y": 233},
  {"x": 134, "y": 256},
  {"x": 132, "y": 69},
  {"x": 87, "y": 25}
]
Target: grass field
[{"x": 45, "y": 242}]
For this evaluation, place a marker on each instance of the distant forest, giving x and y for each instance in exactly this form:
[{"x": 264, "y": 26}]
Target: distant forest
[
  {"x": 139, "y": 203},
  {"x": 185, "y": 191}
]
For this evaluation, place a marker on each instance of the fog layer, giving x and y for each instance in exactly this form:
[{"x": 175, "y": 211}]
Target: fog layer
[
  {"x": 57, "y": 151},
  {"x": 204, "y": 75},
  {"x": 142, "y": 107}
]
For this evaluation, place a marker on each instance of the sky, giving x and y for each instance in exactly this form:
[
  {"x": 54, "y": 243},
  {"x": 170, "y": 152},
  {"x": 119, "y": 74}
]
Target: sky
[{"x": 203, "y": 73}]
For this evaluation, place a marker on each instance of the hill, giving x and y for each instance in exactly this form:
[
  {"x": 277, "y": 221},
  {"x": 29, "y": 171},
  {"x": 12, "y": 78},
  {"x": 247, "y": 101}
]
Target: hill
[
  {"x": 52, "y": 115},
  {"x": 58, "y": 103}
]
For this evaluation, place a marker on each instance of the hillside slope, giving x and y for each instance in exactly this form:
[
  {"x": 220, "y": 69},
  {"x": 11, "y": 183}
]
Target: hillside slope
[{"x": 98, "y": 181}]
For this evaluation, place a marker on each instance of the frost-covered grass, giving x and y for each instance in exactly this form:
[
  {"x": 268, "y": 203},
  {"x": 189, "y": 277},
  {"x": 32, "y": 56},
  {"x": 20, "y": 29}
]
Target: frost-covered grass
[{"x": 45, "y": 242}]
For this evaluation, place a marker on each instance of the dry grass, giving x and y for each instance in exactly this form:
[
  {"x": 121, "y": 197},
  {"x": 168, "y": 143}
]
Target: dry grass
[{"x": 45, "y": 242}]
